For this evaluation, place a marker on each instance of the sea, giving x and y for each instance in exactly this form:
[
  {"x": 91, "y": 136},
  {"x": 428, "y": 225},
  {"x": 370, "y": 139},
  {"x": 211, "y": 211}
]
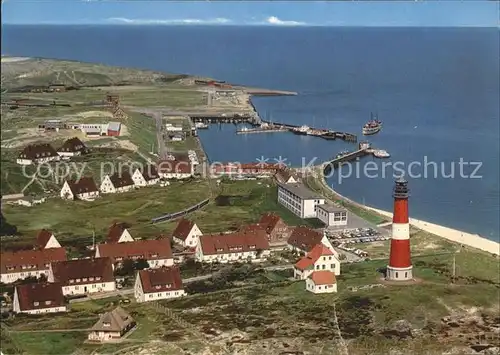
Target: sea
[{"x": 436, "y": 90}]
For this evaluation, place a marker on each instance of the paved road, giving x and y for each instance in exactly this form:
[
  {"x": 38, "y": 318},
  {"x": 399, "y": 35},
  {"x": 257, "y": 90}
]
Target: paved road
[
  {"x": 129, "y": 291},
  {"x": 162, "y": 149}
]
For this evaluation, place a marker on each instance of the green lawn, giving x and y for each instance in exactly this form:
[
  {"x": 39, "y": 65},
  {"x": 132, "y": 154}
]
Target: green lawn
[{"x": 169, "y": 96}]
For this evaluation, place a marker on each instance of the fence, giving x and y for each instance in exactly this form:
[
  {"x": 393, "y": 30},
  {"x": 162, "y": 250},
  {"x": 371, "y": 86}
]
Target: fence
[{"x": 171, "y": 216}]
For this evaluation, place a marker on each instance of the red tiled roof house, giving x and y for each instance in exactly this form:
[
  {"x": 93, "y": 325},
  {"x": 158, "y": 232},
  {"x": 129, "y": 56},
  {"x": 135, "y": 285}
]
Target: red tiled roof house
[
  {"x": 28, "y": 263},
  {"x": 37, "y": 154},
  {"x": 175, "y": 169},
  {"x": 304, "y": 239},
  {"x": 83, "y": 276},
  {"x": 46, "y": 240},
  {"x": 186, "y": 233},
  {"x": 118, "y": 233},
  {"x": 239, "y": 246},
  {"x": 118, "y": 182},
  {"x": 156, "y": 252},
  {"x": 72, "y": 147},
  {"x": 158, "y": 284},
  {"x": 146, "y": 177},
  {"x": 321, "y": 282},
  {"x": 84, "y": 188},
  {"x": 277, "y": 230},
  {"x": 37, "y": 298},
  {"x": 320, "y": 258}
]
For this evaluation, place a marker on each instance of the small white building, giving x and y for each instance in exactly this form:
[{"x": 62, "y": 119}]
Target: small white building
[
  {"x": 112, "y": 326},
  {"x": 321, "y": 282},
  {"x": 332, "y": 215},
  {"x": 46, "y": 240},
  {"x": 158, "y": 284},
  {"x": 118, "y": 233},
  {"x": 118, "y": 182},
  {"x": 146, "y": 177},
  {"x": 30, "y": 201},
  {"x": 37, "y": 154},
  {"x": 28, "y": 263},
  {"x": 83, "y": 276},
  {"x": 187, "y": 233},
  {"x": 94, "y": 129},
  {"x": 299, "y": 199},
  {"x": 157, "y": 252},
  {"x": 320, "y": 258},
  {"x": 38, "y": 298},
  {"x": 84, "y": 189},
  {"x": 171, "y": 128},
  {"x": 240, "y": 246}
]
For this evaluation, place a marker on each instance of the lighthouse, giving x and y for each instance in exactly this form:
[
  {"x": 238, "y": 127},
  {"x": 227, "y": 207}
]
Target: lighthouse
[{"x": 400, "y": 268}]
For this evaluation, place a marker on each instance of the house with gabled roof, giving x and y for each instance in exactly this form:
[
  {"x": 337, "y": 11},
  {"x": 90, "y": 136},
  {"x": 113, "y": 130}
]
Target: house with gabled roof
[
  {"x": 37, "y": 298},
  {"x": 286, "y": 176},
  {"x": 157, "y": 252},
  {"x": 118, "y": 182},
  {"x": 321, "y": 282},
  {"x": 83, "y": 188},
  {"x": 118, "y": 233},
  {"x": 72, "y": 147},
  {"x": 277, "y": 230},
  {"x": 186, "y": 233},
  {"x": 46, "y": 239},
  {"x": 37, "y": 154},
  {"x": 28, "y": 263},
  {"x": 320, "y": 258},
  {"x": 83, "y": 276},
  {"x": 303, "y": 239},
  {"x": 175, "y": 169},
  {"x": 146, "y": 176},
  {"x": 112, "y": 326},
  {"x": 242, "y": 245},
  {"x": 158, "y": 284}
]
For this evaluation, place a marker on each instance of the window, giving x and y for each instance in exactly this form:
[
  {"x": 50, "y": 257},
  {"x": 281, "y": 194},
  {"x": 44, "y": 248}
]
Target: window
[
  {"x": 332, "y": 266},
  {"x": 98, "y": 278},
  {"x": 323, "y": 266},
  {"x": 106, "y": 324},
  {"x": 84, "y": 279},
  {"x": 78, "y": 280},
  {"x": 36, "y": 303},
  {"x": 317, "y": 267},
  {"x": 397, "y": 275},
  {"x": 48, "y": 302},
  {"x": 329, "y": 258},
  {"x": 91, "y": 279},
  {"x": 406, "y": 275}
]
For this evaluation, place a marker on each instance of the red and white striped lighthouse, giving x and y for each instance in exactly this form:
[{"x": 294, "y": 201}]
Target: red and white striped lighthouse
[{"x": 400, "y": 268}]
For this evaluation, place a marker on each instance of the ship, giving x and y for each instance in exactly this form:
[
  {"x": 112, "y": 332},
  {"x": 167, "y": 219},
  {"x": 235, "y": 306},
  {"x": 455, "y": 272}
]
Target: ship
[
  {"x": 303, "y": 130},
  {"x": 373, "y": 126},
  {"x": 329, "y": 135},
  {"x": 201, "y": 125},
  {"x": 379, "y": 153}
]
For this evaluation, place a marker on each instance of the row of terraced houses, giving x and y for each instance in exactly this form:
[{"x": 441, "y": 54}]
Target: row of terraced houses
[{"x": 65, "y": 278}]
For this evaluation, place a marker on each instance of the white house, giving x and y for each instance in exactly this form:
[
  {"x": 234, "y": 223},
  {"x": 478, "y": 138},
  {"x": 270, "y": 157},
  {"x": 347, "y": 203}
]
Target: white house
[
  {"x": 118, "y": 182},
  {"x": 321, "y": 282},
  {"x": 46, "y": 240},
  {"x": 37, "y": 298},
  {"x": 304, "y": 239},
  {"x": 84, "y": 188},
  {"x": 37, "y": 154},
  {"x": 28, "y": 263},
  {"x": 186, "y": 233},
  {"x": 320, "y": 258},
  {"x": 30, "y": 201},
  {"x": 72, "y": 147},
  {"x": 83, "y": 276},
  {"x": 331, "y": 215},
  {"x": 238, "y": 246},
  {"x": 157, "y": 252},
  {"x": 147, "y": 177},
  {"x": 299, "y": 199},
  {"x": 175, "y": 169},
  {"x": 112, "y": 326},
  {"x": 158, "y": 284},
  {"x": 118, "y": 233},
  {"x": 171, "y": 128},
  {"x": 285, "y": 176}
]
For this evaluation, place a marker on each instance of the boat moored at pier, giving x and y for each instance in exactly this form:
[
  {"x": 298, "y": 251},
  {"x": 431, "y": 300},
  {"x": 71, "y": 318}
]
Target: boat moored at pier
[{"x": 373, "y": 126}]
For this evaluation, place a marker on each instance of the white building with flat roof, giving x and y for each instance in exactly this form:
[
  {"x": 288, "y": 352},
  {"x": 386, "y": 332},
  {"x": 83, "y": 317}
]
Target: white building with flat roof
[
  {"x": 299, "y": 199},
  {"x": 332, "y": 215}
]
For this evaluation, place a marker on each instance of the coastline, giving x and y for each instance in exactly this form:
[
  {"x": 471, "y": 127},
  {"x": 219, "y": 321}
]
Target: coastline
[{"x": 454, "y": 235}]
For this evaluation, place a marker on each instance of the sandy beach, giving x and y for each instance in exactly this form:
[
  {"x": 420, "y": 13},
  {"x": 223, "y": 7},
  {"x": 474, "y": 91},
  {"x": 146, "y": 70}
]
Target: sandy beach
[{"x": 465, "y": 238}]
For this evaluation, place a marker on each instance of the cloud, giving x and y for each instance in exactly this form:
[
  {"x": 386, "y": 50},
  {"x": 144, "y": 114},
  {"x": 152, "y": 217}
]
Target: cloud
[
  {"x": 186, "y": 21},
  {"x": 273, "y": 20}
]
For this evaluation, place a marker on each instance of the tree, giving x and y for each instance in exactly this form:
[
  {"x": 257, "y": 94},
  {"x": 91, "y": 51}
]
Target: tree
[{"x": 126, "y": 268}]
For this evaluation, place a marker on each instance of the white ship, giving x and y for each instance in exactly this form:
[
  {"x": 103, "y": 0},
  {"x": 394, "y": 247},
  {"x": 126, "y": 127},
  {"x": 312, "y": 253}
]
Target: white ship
[
  {"x": 201, "y": 125},
  {"x": 381, "y": 153},
  {"x": 304, "y": 130}
]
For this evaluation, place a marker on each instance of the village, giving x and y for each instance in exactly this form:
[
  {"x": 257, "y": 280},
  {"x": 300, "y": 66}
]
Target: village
[{"x": 170, "y": 253}]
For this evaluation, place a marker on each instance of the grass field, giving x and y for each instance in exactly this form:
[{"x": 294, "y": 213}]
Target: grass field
[{"x": 142, "y": 132}]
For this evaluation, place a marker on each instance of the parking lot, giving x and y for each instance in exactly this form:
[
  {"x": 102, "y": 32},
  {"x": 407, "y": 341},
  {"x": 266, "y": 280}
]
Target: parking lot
[{"x": 347, "y": 238}]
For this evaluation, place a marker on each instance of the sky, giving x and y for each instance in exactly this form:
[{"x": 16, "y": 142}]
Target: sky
[{"x": 449, "y": 13}]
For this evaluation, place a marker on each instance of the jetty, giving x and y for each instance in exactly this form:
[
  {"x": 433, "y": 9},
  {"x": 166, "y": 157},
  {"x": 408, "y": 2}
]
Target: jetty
[{"x": 261, "y": 130}]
